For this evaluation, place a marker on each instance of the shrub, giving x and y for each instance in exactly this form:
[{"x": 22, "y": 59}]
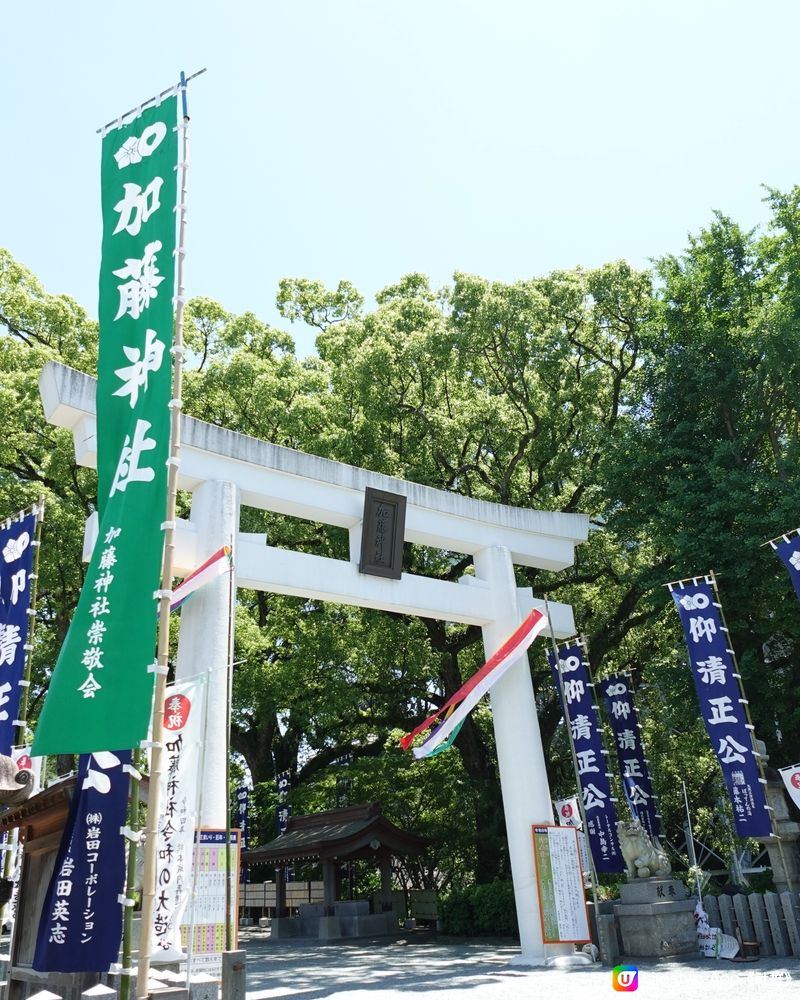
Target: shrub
[
  {"x": 480, "y": 910},
  {"x": 455, "y": 913}
]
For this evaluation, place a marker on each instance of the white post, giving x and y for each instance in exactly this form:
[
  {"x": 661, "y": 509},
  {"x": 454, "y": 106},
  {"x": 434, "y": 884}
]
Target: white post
[
  {"x": 520, "y": 757},
  {"x": 203, "y": 638}
]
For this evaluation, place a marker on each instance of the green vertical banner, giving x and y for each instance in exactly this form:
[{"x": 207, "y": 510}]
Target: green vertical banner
[{"x": 101, "y": 690}]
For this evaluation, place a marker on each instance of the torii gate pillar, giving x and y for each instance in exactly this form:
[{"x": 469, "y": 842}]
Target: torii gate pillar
[
  {"x": 204, "y": 641},
  {"x": 520, "y": 757}
]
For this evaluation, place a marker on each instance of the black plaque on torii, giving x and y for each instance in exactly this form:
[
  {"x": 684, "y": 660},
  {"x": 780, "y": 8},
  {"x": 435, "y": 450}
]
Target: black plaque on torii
[{"x": 383, "y": 530}]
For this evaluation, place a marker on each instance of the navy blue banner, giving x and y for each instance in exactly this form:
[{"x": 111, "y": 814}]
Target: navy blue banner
[
  {"x": 242, "y": 809},
  {"x": 633, "y": 769},
  {"x": 80, "y": 928},
  {"x": 789, "y": 553},
  {"x": 576, "y": 690},
  {"x": 16, "y": 566},
  {"x": 282, "y": 814},
  {"x": 718, "y": 691},
  {"x": 242, "y": 821},
  {"x": 283, "y": 784}
]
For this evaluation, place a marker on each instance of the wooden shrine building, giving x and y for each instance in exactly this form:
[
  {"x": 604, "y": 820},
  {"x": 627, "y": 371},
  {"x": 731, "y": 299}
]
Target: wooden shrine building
[{"x": 333, "y": 838}]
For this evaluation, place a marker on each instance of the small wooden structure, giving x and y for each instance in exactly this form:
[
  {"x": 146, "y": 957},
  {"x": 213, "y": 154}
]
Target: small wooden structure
[
  {"x": 40, "y": 820},
  {"x": 333, "y": 838}
]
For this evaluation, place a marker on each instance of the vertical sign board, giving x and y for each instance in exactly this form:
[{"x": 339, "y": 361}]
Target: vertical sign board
[
  {"x": 206, "y": 914},
  {"x": 559, "y": 880},
  {"x": 382, "y": 533}
]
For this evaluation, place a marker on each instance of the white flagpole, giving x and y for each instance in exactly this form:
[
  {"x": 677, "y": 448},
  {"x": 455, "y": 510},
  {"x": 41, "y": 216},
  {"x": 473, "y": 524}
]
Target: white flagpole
[{"x": 154, "y": 796}]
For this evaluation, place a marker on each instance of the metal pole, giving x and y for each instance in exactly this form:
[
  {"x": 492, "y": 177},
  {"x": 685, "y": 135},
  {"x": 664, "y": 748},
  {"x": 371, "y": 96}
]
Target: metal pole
[
  {"x": 152, "y": 100},
  {"x": 752, "y": 729},
  {"x": 690, "y": 842},
  {"x": 154, "y": 797}
]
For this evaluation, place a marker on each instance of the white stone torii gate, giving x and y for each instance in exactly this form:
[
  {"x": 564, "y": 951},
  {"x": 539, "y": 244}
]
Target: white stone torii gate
[{"x": 224, "y": 469}]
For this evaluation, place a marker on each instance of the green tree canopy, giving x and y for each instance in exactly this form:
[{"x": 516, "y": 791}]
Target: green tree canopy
[{"x": 663, "y": 404}]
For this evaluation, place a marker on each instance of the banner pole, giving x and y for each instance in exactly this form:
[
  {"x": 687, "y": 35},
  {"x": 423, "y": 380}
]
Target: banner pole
[
  {"x": 154, "y": 793},
  {"x": 130, "y": 880},
  {"x": 752, "y": 728},
  {"x": 576, "y": 769},
  {"x": 152, "y": 100},
  {"x": 780, "y": 538},
  {"x": 690, "y": 844},
  {"x": 688, "y": 579}
]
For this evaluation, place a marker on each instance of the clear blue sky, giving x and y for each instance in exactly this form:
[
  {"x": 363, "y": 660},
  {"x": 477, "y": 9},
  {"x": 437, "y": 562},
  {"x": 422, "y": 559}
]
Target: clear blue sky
[{"x": 362, "y": 140}]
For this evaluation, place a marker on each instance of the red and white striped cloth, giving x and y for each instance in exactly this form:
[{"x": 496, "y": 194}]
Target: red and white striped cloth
[
  {"x": 469, "y": 694},
  {"x": 217, "y": 565}
]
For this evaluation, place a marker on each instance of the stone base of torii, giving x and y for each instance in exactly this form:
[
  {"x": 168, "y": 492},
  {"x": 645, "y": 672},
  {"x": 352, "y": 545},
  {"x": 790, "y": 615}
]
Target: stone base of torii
[{"x": 224, "y": 470}]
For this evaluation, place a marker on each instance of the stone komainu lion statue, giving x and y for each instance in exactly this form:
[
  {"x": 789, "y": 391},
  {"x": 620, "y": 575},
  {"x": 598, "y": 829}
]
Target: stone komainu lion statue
[{"x": 643, "y": 856}]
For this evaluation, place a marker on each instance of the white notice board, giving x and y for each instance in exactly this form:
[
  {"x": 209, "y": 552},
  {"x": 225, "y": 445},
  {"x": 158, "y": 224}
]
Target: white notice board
[
  {"x": 204, "y": 923},
  {"x": 559, "y": 880}
]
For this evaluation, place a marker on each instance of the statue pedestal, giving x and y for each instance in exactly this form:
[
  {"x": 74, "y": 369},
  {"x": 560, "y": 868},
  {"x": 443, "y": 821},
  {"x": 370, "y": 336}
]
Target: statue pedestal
[{"x": 656, "y": 919}]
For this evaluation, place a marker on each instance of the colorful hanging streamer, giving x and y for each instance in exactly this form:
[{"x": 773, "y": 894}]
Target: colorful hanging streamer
[
  {"x": 457, "y": 708},
  {"x": 215, "y": 566}
]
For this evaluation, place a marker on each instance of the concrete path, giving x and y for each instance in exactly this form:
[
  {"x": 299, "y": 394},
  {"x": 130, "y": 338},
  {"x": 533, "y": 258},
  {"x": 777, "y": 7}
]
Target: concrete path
[{"x": 448, "y": 969}]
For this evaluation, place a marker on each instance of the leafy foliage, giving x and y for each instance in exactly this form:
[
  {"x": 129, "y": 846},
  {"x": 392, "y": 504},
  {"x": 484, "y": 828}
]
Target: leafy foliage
[
  {"x": 486, "y": 910},
  {"x": 663, "y": 404}
]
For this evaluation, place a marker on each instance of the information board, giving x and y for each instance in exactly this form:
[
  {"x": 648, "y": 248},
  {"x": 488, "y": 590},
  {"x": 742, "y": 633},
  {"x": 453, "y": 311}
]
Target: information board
[
  {"x": 562, "y": 903},
  {"x": 205, "y": 915}
]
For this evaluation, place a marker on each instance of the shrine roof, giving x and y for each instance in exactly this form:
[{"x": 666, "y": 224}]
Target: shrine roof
[
  {"x": 352, "y": 832},
  {"x": 55, "y": 797}
]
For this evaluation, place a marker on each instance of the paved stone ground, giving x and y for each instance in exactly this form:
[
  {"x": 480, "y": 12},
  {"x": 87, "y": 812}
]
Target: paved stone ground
[{"x": 453, "y": 969}]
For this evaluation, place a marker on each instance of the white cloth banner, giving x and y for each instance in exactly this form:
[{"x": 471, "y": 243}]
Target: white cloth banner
[
  {"x": 183, "y": 734},
  {"x": 22, "y": 758},
  {"x": 568, "y": 813},
  {"x": 791, "y": 778}
]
